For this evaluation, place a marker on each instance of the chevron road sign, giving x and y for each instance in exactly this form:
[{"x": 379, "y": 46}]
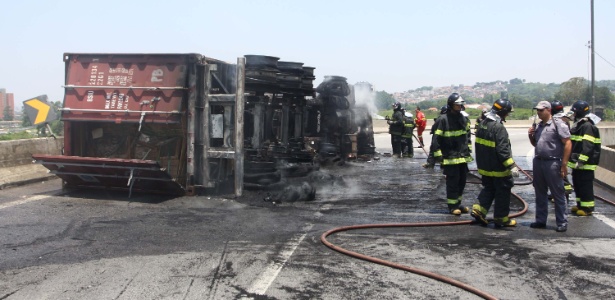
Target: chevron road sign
[{"x": 39, "y": 111}]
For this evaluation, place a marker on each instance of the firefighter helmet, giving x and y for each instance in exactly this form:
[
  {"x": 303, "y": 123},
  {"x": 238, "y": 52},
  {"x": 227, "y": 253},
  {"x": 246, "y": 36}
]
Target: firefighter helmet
[
  {"x": 580, "y": 109},
  {"x": 502, "y": 107},
  {"x": 443, "y": 109},
  {"x": 454, "y": 98},
  {"x": 396, "y": 105},
  {"x": 556, "y": 107}
]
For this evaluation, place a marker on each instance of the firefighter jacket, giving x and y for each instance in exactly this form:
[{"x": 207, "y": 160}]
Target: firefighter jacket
[
  {"x": 408, "y": 127},
  {"x": 396, "y": 124},
  {"x": 493, "y": 149},
  {"x": 586, "y": 143},
  {"x": 451, "y": 139}
]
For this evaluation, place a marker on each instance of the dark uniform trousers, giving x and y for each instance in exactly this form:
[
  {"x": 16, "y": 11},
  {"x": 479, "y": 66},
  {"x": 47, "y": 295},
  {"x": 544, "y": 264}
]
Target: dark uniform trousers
[
  {"x": 547, "y": 177},
  {"x": 396, "y": 143},
  {"x": 456, "y": 176},
  {"x": 583, "y": 184},
  {"x": 496, "y": 190}
]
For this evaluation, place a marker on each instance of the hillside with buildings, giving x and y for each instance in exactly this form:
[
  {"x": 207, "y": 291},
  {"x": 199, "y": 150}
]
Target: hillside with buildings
[{"x": 477, "y": 91}]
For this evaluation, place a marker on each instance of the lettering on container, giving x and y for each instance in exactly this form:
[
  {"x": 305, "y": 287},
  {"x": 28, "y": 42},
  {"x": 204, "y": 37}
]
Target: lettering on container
[
  {"x": 116, "y": 100},
  {"x": 120, "y": 77},
  {"x": 96, "y": 76},
  {"x": 157, "y": 75}
]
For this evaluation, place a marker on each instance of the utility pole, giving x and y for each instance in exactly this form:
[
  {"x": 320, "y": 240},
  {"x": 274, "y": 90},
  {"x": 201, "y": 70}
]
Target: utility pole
[{"x": 593, "y": 47}]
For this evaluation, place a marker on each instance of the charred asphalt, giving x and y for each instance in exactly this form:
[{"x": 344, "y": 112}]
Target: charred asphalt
[{"x": 102, "y": 245}]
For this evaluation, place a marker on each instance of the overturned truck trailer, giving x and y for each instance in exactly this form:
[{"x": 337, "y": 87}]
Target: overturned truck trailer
[
  {"x": 174, "y": 123},
  {"x": 137, "y": 122}
]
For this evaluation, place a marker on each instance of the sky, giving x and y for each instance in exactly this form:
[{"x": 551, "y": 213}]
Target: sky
[{"x": 395, "y": 45}]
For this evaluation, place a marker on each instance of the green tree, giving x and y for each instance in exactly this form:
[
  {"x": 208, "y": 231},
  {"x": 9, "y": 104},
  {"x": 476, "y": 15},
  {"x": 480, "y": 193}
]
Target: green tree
[
  {"x": 384, "y": 100},
  {"x": 25, "y": 121},
  {"x": 571, "y": 90},
  {"x": 603, "y": 95},
  {"x": 8, "y": 114}
]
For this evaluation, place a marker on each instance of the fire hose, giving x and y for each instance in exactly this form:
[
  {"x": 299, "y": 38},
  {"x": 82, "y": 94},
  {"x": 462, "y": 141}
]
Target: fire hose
[{"x": 442, "y": 278}]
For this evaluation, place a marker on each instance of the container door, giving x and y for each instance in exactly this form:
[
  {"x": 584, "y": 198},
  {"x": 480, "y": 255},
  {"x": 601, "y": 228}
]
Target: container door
[{"x": 121, "y": 174}]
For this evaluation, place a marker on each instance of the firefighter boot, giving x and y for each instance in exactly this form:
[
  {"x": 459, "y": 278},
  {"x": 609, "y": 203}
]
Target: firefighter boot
[
  {"x": 583, "y": 212},
  {"x": 479, "y": 214},
  {"x": 459, "y": 210},
  {"x": 504, "y": 222}
]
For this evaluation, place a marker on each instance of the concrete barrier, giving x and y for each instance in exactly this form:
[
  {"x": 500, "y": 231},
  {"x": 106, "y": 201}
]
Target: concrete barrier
[
  {"x": 605, "y": 173},
  {"x": 16, "y": 167}
]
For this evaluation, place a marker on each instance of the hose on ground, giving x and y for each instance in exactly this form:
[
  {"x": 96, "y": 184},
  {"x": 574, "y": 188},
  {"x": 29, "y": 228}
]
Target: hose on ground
[{"x": 442, "y": 278}]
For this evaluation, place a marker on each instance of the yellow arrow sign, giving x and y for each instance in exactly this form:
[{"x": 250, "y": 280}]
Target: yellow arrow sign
[{"x": 41, "y": 107}]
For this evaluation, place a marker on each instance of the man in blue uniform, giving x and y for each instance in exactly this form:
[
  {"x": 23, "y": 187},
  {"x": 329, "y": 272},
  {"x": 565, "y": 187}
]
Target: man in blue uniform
[{"x": 551, "y": 139}]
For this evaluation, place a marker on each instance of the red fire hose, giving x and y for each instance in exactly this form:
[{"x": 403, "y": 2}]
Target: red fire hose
[{"x": 448, "y": 280}]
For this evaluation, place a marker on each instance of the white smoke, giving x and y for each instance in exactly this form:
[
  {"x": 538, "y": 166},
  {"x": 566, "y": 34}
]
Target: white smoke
[{"x": 365, "y": 96}]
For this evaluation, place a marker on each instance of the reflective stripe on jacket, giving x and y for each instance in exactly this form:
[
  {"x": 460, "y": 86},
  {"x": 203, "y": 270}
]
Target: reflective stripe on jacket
[
  {"x": 451, "y": 139},
  {"x": 408, "y": 128},
  {"x": 586, "y": 144}
]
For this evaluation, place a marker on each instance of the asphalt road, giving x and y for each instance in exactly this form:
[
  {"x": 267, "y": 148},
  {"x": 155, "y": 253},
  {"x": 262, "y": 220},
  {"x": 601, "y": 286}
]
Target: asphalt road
[{"x": 102, "y": 245}]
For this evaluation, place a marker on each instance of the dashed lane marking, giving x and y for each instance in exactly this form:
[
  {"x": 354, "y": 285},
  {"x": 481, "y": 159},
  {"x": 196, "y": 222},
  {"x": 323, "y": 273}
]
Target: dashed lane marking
[
  {"x": 23, "y": 201},
  {"x": 262, "y": 283}
]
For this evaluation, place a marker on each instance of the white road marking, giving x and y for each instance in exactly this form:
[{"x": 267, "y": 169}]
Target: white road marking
[
  {"x": 604, "y": 219},
  {"x": 23, "y": 201},
  {"x": 262, "y": 283}
]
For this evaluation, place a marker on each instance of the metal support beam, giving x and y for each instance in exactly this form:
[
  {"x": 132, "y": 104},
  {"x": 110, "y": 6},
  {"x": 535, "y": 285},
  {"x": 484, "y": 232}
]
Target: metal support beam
[{"x": 239, "y": 108}]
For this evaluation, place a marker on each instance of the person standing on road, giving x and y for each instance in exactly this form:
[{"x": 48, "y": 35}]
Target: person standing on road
[
  {"x": 450, "y": 146},
  {"x": 407, "y": 135},
  {"x": 431, "y": 161},
  {"x": 496, "y": 166},
  {"x": 585, "y": 156},
  {"x": 557, "y": 111},
  {"x": 421, "y": 123},
  {"x": 551, "y": 139},
  {"x": 396, "y": 127}
]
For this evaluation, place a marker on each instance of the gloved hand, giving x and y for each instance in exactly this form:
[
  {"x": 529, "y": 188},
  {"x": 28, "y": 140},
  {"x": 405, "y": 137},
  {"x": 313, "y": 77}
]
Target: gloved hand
[
  {"x": 515, "y": 171},
  {"x": 389, "y": 122},
  {"x": 427, "y": 165}
]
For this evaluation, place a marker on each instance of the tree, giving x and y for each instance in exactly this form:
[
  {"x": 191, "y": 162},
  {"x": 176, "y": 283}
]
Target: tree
[
  {"x": 25, "y": 121},
  {"x": 516, "y": 81},
  {"x": 571, "y": 90},
  {"x": 384, "y": 100},
  {"x": 603, "y": 95},
  {"x": 8, "y": 113}
]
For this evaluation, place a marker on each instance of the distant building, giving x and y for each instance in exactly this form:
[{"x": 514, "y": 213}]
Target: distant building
[{"x": 6, "y": 100}]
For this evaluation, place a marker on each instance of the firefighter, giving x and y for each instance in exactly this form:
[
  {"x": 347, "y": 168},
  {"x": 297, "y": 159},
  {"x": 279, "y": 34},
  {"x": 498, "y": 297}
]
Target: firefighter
[
  {"x": 407, "y": 135},
  {"x": 450, "y": 147},
  {"x": 584, "y": 156},
  {"x": 557, "y": 111},
  {"x": 396, "y": 127},
  {"x": 421, "y": 123},
  {"x": 430, "y": 159},
  {"x": 496, "y": 166}
]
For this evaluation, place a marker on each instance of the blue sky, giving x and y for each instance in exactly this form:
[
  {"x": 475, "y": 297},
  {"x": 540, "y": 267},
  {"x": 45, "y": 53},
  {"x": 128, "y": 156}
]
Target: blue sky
[{"x": 395, "y": 45}]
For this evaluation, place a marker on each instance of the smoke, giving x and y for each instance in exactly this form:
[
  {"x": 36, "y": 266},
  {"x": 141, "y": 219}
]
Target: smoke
[
  {"x": 365, "y": 96},
  {"x": 333, "y": 187}
]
